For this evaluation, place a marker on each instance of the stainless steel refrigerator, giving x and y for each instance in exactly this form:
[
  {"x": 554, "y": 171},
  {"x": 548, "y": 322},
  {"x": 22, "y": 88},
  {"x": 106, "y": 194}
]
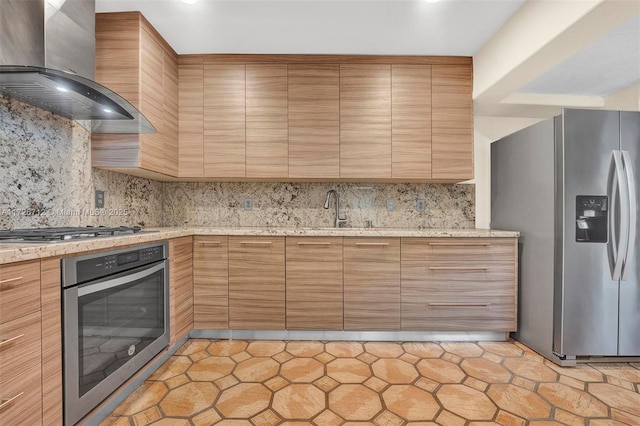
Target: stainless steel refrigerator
[{"x": 568, "y": 184}]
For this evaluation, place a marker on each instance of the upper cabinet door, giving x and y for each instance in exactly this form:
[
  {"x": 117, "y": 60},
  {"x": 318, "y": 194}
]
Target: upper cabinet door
[
  {"x": 191, "y": 120},
  {"x": 365, "y": 121},
  {"x": 224, "y": 120},
  {"x": 314, "y": 121},
  {"x": 411, "y": 121},
  {"x": 266, "y": 121},
  {"x": 170, "y": 84},
  {"x": 452, "y": 134}
]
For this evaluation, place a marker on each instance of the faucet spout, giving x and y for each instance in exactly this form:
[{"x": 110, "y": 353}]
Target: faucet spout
[{"x": 339, "y": 222}]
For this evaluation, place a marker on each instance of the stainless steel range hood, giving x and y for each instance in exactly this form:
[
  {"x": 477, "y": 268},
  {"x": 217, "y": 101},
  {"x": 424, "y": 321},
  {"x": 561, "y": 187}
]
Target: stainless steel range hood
[{"x": 47, "y": 59}]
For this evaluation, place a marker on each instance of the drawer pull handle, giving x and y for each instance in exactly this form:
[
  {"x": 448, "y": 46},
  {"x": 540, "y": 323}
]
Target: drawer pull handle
[
  {"x": 12, "y": 339},
  {"x": 459, "y": 305},
  {"x": 459, "y": 244},
  {"x": 458, "y": 268},
  {"x": 313, "y": 244},
  {"x": 6, "y": 402},
  {"x": 256, "y": 243},
  {"x": 209, "y": 243},
  {"x": 10, "y": 280},
  {"x": 372, "y": 244}
]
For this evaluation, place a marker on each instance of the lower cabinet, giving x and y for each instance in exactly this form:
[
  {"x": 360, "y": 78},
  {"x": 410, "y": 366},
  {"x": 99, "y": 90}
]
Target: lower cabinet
[
  {"x": 181, "y": 287},
  {"x": 371, "y": 283},
  {"x": 256, "y": 283},
  {"x": 211, "y": 282},
  {"x": 461, "y": 284},
  {"x": 314, "y": 283}
]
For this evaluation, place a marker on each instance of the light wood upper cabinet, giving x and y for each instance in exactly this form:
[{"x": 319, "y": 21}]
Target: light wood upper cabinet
[
  {"x": 365, "y": 121},
  {"x": 314, "y": 121},
  {"x": 314, "y": 283},
  {"x": 452, "y": 133},
  {"x": 256, "y": 283},
  {"x": 371, "y": 283},
  {"x": 224, "y": 120},
  {"x": 266, "y": 121},
  {"x": 191, "y": 120},
  {"x": 134, "y": 61},
  {"x": 411, "y": 121},
  {"x": 210, "y": 282}
]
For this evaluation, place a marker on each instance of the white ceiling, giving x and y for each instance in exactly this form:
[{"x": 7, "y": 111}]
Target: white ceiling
[{"x": 394, "y": 27}]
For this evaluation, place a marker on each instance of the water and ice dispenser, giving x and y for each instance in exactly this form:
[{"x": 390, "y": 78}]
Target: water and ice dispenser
[{"x": 592, "y": 218}]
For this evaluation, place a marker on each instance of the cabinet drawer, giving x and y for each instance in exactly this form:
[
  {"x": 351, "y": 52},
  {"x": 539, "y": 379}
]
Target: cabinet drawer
[
  {"x": 19, "y": 345},
  {"x": 447, "y": 273},
  {"x": 496, "y": 250},
  {"x": 459, "y": 314},
  {"x": 19, "y": 289},
  {"x": 21, "y": 399}
]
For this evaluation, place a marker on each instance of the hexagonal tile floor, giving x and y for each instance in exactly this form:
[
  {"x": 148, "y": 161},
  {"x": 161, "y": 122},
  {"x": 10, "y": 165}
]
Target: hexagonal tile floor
[{"x": 264, "y": 383}]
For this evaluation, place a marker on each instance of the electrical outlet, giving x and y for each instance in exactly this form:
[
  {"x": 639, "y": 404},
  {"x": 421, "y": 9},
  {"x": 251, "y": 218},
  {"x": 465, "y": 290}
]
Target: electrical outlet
[
  {"x": 391, "y": 205},
  {"x": 248, "y": 204},
  {"x": 99, "y": 199},
  {"x": 421, "y": 205}
]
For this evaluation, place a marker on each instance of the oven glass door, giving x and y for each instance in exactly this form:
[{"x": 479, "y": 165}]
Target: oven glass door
[{"x": 112, "y": 328}]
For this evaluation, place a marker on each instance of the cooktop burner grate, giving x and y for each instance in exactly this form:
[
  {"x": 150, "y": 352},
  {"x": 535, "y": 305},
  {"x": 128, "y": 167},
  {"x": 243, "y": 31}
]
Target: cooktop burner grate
[{"x": 63, "y": 234}]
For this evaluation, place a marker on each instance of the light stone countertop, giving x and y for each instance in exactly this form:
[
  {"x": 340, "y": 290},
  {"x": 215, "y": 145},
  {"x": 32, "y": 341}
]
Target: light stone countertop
[{"x": 17, "y": 252}]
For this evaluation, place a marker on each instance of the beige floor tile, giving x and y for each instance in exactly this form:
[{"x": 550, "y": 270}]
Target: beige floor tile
[
  {"x": 410, "y": 403},
  {"x": 206, "y": 418},
  {"x": 192, "y": 346},
  {"x": 198, "y": 356},
  {"x": 530, "y": 369},
  {"x": 519, "y": 401},
  {"x": 146, "y": 396},
  {"x": 463, "y": 349},
  {"x": 410, "y": 358},
  {"x": 174, "y": 366},
  {"x": 569, "y": 418},
  {"x": 327, "y": 418},
  {"x": 524, "y": 383},
  {"x": 544, "y": 423},
  {"x": 302, "y": 370},
  {"x": 211, "y": 369},
  {"x": 485, "y": 370},
  {"x": 440, "y": 371},
  {"x": 575, "y": 383},
  {"x": 423, "y": 349},
  {"x": 394, "y": 371},
  {"x": 472, "y": 382},
  {"x": 266, "y": 418},
  {"x": 227, "y": 347},
  {"x": 226, "y": 382},
  {"x": 299, "y": 401},
  {"x": 354, "y": 402},
  {"x": 376, "y": 384},
  {"x": 174, "y": 382},
  {"x": 147, "y": 416},
  {"x": 324, "y": 357},
  {"x": 189, "y": 399},
  {"x": 344, "y": 349},
  {"x": 367, "y": 358},
  {"x": 573, "y": 400},
  {"x": 627, "y": 418},
  {"x": 385, "y": 349},
  {"x": 507, "y": 419},
  {"x": 427, "y": 384},
  {"x": 168, "y": 421},
  {"x": 450, "y": 419},
  {"x": 282, "y": 357},
  {"x": 387, "y": 418},
  {"x": 501, "y": 348},
  {"x": 466, "y": 402},
  {"x": 304, "y": 348},
  {"x": 583, "y": 372},
  {"x": 620, "y": 371},
  {"x": 244, "y": 400},
  {"x": 256, "y": 369},
  {"x": 231, "y": 422},
  {"x": 620, "y": 383},
  {"x": 241, "y": 356},
  {"x": 276, "y": 383},
  {"x": 326, "y": 383},
  {"x": 606, "y": 422},
  {"x": 452, "y": 358},
  {"x": 116, "y": 421},
  {"x": 616, "y": 397},
  {"x": 266, "y": 347},
  {"x": 348, "y": 370}
]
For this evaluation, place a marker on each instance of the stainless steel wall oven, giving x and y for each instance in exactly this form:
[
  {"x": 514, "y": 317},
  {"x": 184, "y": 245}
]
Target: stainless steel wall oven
[{"x": 116, "y": 319}]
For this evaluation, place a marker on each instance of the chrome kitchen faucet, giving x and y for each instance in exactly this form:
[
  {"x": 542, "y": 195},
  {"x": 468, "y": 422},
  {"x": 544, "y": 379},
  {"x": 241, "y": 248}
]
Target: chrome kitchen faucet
[{"x": 340, "y": 222}]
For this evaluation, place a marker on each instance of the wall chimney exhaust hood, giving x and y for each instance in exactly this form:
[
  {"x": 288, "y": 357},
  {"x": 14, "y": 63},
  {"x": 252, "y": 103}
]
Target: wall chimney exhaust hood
[{"x": 47, "y": 59}]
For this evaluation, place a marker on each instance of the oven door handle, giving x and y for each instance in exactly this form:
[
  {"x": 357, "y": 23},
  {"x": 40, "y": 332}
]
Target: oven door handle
[{"x": 93, "y": 288}]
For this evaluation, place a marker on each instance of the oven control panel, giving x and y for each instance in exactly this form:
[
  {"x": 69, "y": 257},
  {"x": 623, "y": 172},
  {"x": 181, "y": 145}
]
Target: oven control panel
[{"x": 97, "y": 265}]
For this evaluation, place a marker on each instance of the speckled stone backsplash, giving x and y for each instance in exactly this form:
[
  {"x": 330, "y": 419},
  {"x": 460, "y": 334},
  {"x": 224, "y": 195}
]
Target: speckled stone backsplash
[
  {"x": 46, "y": 177},
  {"x": 301, "y": 204}
]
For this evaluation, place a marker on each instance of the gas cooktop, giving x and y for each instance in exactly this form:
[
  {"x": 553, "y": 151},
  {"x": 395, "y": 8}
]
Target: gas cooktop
[{"x": 63, "y": 234}]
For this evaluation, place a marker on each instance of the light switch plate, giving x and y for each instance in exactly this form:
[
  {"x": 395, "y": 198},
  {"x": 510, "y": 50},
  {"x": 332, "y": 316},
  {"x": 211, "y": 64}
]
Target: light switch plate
[
  {"x": 248, "y": 204},
  {"x": 99, "y": 199},
  {"x": 391, "y": 205},
  {"x": 421, "y": 205}
]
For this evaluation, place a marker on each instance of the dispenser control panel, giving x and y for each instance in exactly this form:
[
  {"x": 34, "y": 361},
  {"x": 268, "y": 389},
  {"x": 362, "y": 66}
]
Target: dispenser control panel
[{"x": 592, "y": 218}]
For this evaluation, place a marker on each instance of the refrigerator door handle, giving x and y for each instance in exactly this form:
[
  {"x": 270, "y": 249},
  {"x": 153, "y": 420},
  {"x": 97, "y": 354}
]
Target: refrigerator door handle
[
  {"x": 631, "y": 199},
  {"x": 618, "y": 187}
]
